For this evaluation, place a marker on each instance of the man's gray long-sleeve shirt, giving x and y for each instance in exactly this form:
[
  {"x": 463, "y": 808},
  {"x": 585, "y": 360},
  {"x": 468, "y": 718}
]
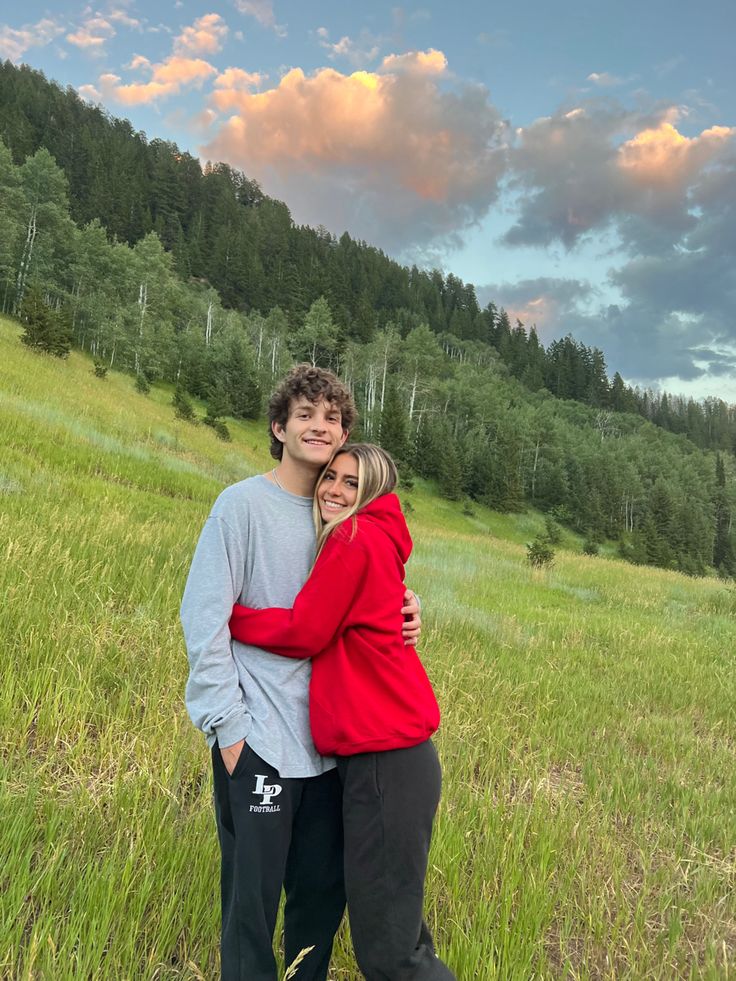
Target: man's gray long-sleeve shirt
[{"x": 256, "y": 548}]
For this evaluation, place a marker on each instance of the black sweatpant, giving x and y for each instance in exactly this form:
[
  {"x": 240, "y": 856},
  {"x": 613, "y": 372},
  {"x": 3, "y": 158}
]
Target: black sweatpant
[
  {"x": 389, "y": 803},
  {"x": 277, "y": 831}
]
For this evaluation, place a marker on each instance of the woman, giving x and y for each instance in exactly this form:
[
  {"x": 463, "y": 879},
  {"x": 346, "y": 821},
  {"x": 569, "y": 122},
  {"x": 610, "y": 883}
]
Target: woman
[{"x": 371, "y": 706}]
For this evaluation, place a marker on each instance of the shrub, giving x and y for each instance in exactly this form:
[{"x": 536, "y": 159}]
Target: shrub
[
  {"x": 540, "y": 553},
  {"x": 220, "y": 428},
  {"x": 590, "y": 547},
  {"x": 142, "y": 384},
  {"x": 100, "y": 368},
  {"x": 183, "y": 408}
]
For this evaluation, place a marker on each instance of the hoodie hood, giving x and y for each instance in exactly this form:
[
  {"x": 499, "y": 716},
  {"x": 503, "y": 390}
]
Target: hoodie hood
[{"x": 385, "y": 513}]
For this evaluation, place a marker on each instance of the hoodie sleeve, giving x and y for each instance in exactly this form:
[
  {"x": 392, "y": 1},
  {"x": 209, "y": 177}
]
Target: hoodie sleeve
[
  {"x": 213, "y": 695},
  {"x": 320, "y": 609}
]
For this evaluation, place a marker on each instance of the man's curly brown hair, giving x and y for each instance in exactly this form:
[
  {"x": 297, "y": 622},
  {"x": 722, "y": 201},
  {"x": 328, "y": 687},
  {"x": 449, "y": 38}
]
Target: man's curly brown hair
[{"x": 313, "y": 384}]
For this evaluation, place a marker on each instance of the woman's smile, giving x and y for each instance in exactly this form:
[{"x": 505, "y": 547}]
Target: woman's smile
[{"x": 338, "y": 489}]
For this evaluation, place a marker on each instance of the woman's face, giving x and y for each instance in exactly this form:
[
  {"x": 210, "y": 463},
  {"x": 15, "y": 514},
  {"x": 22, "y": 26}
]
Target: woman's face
[{"x": 338, "y": 489}]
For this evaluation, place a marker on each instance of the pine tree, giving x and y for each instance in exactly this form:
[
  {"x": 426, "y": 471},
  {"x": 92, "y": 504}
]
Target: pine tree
[
  {"x": 451, "y": 472},
  {"x": 721, "y": 541},
  {"x": 183, "y": 408},
  {"x": 45, "y": 329},
  {"x": 36, "y": 319},
  {"x": 394, "y": 426}
]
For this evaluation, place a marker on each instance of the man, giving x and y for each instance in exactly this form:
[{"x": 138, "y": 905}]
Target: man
[{"x": 277, "y": 801}]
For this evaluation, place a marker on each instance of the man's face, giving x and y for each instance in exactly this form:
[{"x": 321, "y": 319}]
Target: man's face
[{"x": 312, "y": 432}]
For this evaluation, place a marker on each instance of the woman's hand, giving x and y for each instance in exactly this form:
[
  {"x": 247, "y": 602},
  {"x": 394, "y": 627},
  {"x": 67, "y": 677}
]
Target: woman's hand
[{"x": 412, "y": 620}]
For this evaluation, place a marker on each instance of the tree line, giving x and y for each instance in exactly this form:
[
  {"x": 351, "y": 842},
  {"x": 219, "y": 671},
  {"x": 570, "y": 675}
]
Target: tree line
[
  {"x": 454, "y": 391},
  {"x": 220, "y": 228}
]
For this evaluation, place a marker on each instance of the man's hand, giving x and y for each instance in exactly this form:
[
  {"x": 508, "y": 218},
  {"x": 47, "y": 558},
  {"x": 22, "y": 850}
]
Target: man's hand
[
  {"x": 231, "y": 755},
  {"x": 412, "y": 621}
]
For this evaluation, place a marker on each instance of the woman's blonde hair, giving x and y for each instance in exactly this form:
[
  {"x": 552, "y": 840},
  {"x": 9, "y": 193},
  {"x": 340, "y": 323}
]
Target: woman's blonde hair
[{"x": 377, "y": 475}]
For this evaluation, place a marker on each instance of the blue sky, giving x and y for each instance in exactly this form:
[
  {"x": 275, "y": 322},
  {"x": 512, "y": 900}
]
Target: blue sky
[{"x": 576, "y": 161}]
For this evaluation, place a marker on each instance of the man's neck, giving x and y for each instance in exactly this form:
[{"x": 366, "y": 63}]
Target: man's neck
[{"x": 295, "y": 477}]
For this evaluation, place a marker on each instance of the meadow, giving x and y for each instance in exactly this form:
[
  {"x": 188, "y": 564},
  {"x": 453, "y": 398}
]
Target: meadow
[{"x": 588, "y": 822}]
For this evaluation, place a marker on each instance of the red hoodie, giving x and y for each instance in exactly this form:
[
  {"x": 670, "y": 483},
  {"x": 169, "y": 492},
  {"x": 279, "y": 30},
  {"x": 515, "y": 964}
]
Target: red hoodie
[{"x": 369, "y": 691}]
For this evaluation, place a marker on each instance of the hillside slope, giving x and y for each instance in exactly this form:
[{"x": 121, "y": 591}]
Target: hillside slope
[{"x": 588, "y": 821}]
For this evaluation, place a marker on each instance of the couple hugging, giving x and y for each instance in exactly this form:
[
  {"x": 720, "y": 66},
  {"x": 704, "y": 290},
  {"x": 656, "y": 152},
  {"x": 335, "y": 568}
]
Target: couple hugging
[{"x": 306, "y": 683}]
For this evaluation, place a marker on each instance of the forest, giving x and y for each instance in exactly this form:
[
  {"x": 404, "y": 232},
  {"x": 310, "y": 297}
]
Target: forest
[{"x": 129, "y": 249}]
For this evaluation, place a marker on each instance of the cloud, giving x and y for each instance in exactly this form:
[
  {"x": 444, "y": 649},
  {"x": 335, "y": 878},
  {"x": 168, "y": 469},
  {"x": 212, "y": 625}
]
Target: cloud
[
  {"x": 604, "y": 79},
  {"x": 236, "y": 79},
  {"x": 205, "y": 36},
  {"x": 167, "y": 78},
  {"x": 263, "y": 12},
  {"x": 675, "y": 275},
  {"x": 667, "y": 200},
  {"x": 121, "y": 16},
  {"x": 15, "y": 42},
  {"x": 544, "y": 302},
  {"x": 92, "y": 34},
  {"x": 661, "y": 157},
  {"x": 359, "y": 53},
  {"x": 602, "y": 166},
  {"x": 90, "y": 93},
  {"x": 390, "y": 156},
  {"x": 138, "y": 61},
  {"x": 431, "y": 62}
]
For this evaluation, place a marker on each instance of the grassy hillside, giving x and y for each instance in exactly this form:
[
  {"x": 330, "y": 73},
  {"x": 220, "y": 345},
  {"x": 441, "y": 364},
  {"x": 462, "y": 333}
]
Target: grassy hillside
[{"x": 588, "y": 823}]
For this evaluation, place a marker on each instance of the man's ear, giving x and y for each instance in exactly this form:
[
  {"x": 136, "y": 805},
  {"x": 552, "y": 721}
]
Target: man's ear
[
  {"x": 279, "y": 431},
  {"x": 345, "y": 434}
]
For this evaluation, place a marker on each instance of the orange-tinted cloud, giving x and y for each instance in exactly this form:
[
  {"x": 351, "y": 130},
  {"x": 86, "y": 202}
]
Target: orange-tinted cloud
[
  {"x": 238, "y": 79},
  {"x": 167, "y": 79},
  {"x": 431, "y": 62},
  {"x": 179, "y": 71},
  {"x": 205, "y": 36},
  {"x": 92, "y": 34},
  {"x": 662, "y": 156},
  {"x": 389, "y": 155},
  {"x": 535, "y": 312}
]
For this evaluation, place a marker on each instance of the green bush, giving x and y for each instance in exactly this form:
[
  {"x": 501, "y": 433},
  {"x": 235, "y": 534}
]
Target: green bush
[
  {"x": 540, "y": 553},
  {"x": 183, "y": 408}
]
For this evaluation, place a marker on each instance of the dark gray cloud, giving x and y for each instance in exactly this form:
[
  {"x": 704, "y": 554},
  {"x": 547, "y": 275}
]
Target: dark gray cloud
[
  {"x": 599, "y": 166},
  {"x": 670, "y": 202},
  {"x": 555, "y": 297}
]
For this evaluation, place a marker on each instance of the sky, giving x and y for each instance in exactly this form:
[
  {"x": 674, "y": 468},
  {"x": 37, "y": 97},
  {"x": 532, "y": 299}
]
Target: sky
[{"x": 575, "y": 161}]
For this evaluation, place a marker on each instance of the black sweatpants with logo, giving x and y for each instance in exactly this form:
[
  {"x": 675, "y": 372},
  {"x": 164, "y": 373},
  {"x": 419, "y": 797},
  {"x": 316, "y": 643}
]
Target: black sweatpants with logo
[
  {"x": 389, "y": 803},
  {"x": 277, "y": 831}
]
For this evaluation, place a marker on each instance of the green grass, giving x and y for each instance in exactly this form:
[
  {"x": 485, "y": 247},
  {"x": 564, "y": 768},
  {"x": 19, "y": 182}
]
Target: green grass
[{"x": 588, "y": 821}]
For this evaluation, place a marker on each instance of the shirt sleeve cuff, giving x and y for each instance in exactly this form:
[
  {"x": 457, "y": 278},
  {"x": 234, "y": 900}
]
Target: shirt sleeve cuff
[{"x": 233, "y": 730}]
